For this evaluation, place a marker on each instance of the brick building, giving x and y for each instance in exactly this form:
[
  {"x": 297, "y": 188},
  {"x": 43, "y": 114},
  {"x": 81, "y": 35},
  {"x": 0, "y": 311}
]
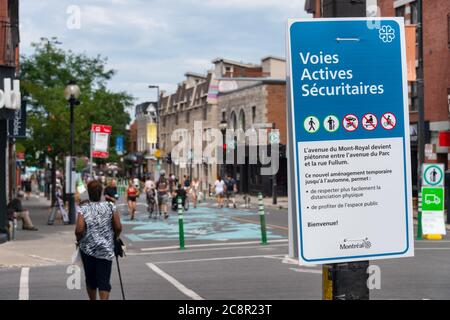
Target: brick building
[
  {"x": 251, "y": 104},
  {"x": 9, "y": 63},
  {"x": 436, "y": 62}
]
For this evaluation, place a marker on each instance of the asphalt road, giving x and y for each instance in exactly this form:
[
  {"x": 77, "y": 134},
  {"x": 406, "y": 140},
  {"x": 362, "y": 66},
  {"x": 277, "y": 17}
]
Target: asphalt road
[{"x": 224, "y": 259}]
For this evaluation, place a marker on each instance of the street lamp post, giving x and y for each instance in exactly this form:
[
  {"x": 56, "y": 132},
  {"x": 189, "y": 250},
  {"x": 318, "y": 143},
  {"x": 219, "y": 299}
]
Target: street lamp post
[
  {"x": 223, "y": 128},
  {"x": 158, "y": 165},
  {"x": 71, "y": 93}
]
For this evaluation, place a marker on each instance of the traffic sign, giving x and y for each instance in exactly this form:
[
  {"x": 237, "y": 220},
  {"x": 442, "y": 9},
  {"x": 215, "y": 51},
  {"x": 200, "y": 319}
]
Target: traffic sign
[
  {"x": 369, "y": 122},
  {"x": 433, "y": 175},
  {"x": 311, "y": 124},
  {"x": 352, "y": 188},
  {"x": 274, "y": 137},
  {"x": 331, "y": 123},
  {"x": 350, "y": 122},
  {"x": 433, "y": 199},
  {"x": 388, "y": 121}
]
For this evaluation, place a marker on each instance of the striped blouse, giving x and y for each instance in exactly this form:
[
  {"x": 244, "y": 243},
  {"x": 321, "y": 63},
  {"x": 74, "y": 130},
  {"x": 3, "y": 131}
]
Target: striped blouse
[{"x": 98, "y": 240}]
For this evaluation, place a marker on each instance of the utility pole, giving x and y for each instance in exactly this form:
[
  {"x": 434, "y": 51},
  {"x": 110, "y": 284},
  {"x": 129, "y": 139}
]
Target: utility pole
[
  {"x": 345, "y": 281},
  {"x": 421, "y": 107}
]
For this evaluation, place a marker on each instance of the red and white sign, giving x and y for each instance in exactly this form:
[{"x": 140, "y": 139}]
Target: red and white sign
[
  {"x": 350, "y": 122},
  {"x": 388, "y": 121},
  {"x": 100, "y": 140},
  {"x": 369, "y": 121}
]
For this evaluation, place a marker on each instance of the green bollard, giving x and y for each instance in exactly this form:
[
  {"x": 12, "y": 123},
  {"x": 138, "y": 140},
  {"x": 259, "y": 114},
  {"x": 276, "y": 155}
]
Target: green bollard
[
  {"x": 262, "y": 219},
  {"x": 419, "y": 217},
  {"x": 180, "y": 223}
]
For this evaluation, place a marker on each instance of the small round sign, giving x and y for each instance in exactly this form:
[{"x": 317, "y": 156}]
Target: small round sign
[
  {"x": 433, "y": 175},
  {"x": 369, "y": 122},
  {"x": 311, "y": 124},
  {"x": 388, "y": 121},
  {"x": 331, "y": 123},
  {"x": 350, "y": 122}
]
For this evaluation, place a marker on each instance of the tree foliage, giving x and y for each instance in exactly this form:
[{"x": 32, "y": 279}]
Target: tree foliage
[{"x": 44, "y": 76}]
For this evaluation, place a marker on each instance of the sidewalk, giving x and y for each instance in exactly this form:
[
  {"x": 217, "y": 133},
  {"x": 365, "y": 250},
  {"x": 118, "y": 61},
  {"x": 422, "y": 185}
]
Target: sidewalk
[{"x": 50, "y": 245}]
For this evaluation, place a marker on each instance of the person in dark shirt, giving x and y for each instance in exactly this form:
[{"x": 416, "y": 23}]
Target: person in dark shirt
[
  {"x": 110, "y": 192},
  {"x": 15, "y": 210}
]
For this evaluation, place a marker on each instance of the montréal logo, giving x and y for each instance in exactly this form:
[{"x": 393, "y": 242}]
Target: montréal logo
[{"x": 355, "y": 244}]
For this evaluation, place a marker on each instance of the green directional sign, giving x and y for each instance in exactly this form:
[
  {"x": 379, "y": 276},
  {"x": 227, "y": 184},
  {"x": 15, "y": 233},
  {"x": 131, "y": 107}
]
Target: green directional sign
[{"x": 433, "y": 199}]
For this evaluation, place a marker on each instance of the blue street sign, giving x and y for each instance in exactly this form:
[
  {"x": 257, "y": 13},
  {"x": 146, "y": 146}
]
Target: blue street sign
[
  {"x": 350, "y": 135},
  {"x": 119, "y": 145}
]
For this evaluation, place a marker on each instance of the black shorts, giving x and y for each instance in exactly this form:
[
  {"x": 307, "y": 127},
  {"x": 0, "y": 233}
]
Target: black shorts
[
  {"x": 133, "y": 199},
  {"x": 97, "y": 272}
]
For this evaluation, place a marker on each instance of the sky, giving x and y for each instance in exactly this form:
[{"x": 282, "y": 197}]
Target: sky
[{"x": 158, "y": 41}]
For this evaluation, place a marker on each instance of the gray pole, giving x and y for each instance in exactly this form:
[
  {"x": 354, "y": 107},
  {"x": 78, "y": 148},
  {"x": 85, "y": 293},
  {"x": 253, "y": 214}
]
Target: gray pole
[
  {"x": 3, "y": 166},
  {"x": 274, "y": 177},
  {"x": 72, "y": 152}
]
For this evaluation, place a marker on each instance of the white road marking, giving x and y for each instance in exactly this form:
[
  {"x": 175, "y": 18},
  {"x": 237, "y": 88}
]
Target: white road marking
[
  {"x": 44, "y": 259},
  {"x": 188, "y": 292},
  {"x": 203, "y": 250},
  {"x": 212, "y": 245},
  {"x": 219, "y": 259},
  {"x": 306, "y": 270},
  {"x": 23, "y": 287}
]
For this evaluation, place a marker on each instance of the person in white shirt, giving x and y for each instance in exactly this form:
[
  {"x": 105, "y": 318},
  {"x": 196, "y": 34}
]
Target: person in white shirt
[
  {"x": 220, "y": 189},
  {"x": 149, "y": 190}
]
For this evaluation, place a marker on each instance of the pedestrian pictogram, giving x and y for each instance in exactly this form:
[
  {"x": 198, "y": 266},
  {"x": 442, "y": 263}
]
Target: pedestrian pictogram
[
  {"x": 369, "y": 122},
  {"x": 331, "y": 123},
  {"x": 311, "y": 124},
  {"x": 433, "y": 175},
  {"x": 388, "y": 121},
  {"x": 350, "y": 122}
]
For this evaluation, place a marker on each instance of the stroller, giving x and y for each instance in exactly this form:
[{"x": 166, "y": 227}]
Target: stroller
[
  {"x": 180, "y": 192},
  {"x": 151, "y": 202}
]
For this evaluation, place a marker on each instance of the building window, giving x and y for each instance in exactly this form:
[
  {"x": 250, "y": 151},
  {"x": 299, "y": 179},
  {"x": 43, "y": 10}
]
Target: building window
[
  {"x": 414, "y": 13},
  {"x": 164, "y": 121},
  {"x": 176, "y": 118},
  {"x": 414, "y": 98},
  {"x": 205, "y": 112},
  {"x": 448, "y": 27},
  {"x": 188, "y": 117},
  {"x": 253, "y": 114},
  {"x": 448, "y": 98},
  {"x": 400, "y": 11}
]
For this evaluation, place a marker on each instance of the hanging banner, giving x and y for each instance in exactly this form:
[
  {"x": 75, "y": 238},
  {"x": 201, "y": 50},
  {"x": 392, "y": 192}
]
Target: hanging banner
[
  {"x": 18, "y": 124},
  {"x": 119, "y": 145},
  {"x": 100, "y": 140},
  {"x": 151, "y": 133}
]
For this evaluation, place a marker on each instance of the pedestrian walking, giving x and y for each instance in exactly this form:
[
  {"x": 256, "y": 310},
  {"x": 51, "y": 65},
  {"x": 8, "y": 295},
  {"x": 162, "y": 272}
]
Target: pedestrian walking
[
  {"x": 150, "y": 194},
  {"x": 98, "y": 225},
  {"x": 131, "y": 197},
  {"x": 231, "y": 189},
  {"x": 220, "y": 189},
  {"x": 163, "y": 193},
  {"x": 110, "y": 192},
  {"x": 195, "y": 188}
]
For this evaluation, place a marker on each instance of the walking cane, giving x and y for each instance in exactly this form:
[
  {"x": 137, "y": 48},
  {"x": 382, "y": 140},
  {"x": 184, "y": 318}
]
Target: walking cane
[{"x": 120, "y": 278}]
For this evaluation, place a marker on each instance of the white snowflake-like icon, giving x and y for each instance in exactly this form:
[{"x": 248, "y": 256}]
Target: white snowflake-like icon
[{"x": 387, "y": 34}]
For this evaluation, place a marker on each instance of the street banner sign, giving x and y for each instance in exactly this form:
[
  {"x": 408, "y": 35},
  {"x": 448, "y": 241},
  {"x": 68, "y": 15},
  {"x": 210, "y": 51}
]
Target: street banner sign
[
  {"x": 353, "y": 197},
  {"x": 152, "y": 133},
  {"x": 433, "y": 174},
  {"x": 119, "y": 145},
  {"x": 100, "y": 140},
  {"x": 18, "y": 124}
]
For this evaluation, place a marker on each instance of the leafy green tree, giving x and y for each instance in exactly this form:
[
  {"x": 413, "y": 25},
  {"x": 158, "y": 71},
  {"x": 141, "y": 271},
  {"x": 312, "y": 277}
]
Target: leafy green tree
[{"x": 44, "y": 76}]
